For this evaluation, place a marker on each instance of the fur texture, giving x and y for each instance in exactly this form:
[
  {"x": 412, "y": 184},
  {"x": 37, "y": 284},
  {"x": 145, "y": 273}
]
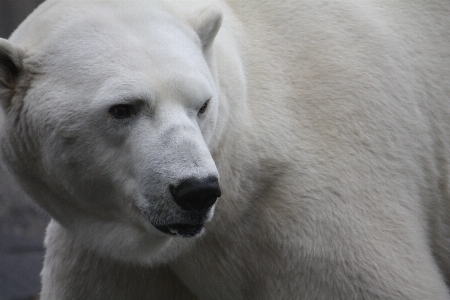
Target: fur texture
[{"x": 327, "y": 121}]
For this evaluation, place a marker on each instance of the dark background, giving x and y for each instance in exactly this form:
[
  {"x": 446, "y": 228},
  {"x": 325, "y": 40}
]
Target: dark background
[
  {"x": 13, "y": 12},
  {"x": 22, "y": 224}
]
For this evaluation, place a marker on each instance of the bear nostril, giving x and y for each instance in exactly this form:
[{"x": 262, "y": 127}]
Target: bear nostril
[{"x": 196, "y": 194}]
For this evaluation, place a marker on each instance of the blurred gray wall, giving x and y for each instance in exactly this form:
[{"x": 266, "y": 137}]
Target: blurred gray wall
[
  {"x": 22, "y": 224},
  {"x": 13, "y": 12}
]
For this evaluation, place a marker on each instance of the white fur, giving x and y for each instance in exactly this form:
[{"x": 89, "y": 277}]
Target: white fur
[{"x": 328, "y": 124}]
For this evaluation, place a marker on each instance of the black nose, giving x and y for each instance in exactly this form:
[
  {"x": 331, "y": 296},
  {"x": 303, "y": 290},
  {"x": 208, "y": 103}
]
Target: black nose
[{"x": 196, "y": 194}]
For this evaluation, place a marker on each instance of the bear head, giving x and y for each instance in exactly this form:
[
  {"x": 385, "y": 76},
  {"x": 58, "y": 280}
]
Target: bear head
[{"x": 108, "y": 112}]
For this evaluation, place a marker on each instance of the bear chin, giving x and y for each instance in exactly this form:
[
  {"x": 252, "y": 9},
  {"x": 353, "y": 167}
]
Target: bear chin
[
  {"x": 182, "y": 230},
  {"x": 189, "y": 225}
]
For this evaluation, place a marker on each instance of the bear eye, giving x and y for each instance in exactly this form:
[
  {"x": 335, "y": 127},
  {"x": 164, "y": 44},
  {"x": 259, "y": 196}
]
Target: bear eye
[
  {"x": 203, "y": 108},
  {"x": 120, "y": 111}
]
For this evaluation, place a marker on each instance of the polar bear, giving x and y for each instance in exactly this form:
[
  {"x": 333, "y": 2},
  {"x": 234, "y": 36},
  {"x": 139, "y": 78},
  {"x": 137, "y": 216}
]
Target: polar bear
[{"x": 234, "y": 149}]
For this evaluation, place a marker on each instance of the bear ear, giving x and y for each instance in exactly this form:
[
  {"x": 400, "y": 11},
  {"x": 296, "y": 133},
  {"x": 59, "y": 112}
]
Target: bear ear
[
  {"x": 207, "y": 24},
  {"x": 11, "y": 66}
]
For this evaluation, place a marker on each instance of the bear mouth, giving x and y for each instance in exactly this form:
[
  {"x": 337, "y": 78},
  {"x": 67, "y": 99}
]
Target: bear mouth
[{"x": 182, "y": 230}]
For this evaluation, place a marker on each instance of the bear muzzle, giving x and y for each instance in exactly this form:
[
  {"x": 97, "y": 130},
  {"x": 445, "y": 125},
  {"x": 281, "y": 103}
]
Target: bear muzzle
[
  {"x": 196, "y": 194},
  {"x": 196, "y": 197}
]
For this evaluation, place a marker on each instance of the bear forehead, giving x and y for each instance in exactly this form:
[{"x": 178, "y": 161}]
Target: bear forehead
[
  {"x": 153, "y": 47},
  {"x": 53, "y": 16},
  {"x": 158, "y": 50},
  {"x": 116, "y": 34}
]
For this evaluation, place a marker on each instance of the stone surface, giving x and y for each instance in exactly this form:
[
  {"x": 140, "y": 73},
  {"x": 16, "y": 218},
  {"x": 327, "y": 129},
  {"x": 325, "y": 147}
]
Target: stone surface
[{"x": 22, "y": 228}]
